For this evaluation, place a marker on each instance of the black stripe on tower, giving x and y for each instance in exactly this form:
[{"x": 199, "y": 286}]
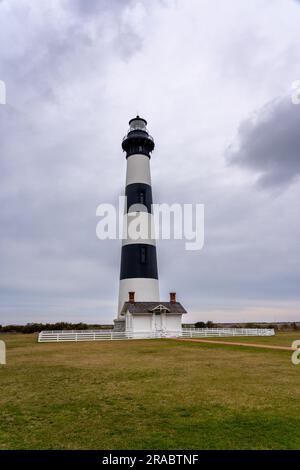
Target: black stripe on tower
[
  {"x": 139, "y": 193},
  {"x": 138, "y": 260}
]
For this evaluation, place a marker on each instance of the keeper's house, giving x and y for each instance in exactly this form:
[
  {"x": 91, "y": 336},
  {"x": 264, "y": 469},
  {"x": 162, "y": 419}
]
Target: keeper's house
[{"x": 160, "y": 317}]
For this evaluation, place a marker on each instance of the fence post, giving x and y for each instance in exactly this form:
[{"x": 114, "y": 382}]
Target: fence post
[{"x": 2, "y": 352}]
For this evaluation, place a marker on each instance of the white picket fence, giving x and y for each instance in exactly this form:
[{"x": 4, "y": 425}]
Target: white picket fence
[
  {"x": 109, "y": 335},
  {"x": 225, "y": 332},
  {"x": 92, "y": 335}
]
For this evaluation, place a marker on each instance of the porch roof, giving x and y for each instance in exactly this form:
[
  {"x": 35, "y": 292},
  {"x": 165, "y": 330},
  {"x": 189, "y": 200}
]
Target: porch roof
[{"x": 149, "y": 307}]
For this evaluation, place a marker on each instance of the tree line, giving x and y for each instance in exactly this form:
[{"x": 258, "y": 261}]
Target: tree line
[
  {"x": 276, "y": 326},
  {"x": 37, "y": 327}
]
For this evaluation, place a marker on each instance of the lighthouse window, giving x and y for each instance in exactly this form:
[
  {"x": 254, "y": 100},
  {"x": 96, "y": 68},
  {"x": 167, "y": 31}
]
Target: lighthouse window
[
  {"x": 143, "y": 255},
  {"x": 142, "y": 197}
]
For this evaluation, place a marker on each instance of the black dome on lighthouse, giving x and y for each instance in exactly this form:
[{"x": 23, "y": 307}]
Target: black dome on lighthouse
[{"x": 138, "y": 139}]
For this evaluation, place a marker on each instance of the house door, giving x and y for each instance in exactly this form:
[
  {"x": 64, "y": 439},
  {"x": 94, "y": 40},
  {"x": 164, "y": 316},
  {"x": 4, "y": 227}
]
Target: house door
[{"x": 158, "y": 323}]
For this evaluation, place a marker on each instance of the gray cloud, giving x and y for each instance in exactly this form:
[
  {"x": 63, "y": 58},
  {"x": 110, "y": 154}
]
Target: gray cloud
[
  {"x": 92, "y": 7},
  {"x": 269, "y": 144}
]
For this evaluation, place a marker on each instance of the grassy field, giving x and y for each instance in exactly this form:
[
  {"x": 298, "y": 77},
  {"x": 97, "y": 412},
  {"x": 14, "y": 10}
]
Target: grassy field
[
  {"x": 280, "y": 339},
  {"x": 152, "y": 394}
]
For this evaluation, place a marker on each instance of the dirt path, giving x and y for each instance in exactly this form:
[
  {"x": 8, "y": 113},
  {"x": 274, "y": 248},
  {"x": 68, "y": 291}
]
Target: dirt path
[{"x": 251, "y": 345}]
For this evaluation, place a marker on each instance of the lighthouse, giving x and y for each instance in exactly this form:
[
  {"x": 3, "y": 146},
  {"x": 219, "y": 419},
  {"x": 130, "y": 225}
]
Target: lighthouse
[
  {"x": 139, "y": 307},
  {"x": 139, "y": 271}
]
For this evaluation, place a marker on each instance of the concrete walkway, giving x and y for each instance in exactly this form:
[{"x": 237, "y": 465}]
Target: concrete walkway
[{"x": 231, "y": 343}]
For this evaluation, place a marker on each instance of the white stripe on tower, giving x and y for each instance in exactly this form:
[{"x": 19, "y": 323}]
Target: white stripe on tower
[
  {"x": 138, "y": 260},
  {"x": 138, "y": 169}
]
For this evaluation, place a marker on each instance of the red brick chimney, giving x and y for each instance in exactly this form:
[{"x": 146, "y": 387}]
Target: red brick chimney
[
  {"x": 173, "y": 297},
  {"x": 131, "y": 297}
]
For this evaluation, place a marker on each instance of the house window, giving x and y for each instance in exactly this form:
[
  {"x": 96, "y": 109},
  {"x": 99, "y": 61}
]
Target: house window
[{"x": 143, "y": 255}]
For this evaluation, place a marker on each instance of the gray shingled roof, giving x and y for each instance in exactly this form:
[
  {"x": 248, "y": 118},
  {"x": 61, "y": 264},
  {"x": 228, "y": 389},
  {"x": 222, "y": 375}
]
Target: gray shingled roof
[{"x": 147, "y": 307}]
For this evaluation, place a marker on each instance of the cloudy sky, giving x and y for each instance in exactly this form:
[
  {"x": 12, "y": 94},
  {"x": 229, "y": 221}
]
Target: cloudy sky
[{"x": 214, "y": 80}]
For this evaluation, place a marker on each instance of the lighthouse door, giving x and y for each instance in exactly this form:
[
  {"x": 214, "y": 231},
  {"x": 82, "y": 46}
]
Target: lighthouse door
[{"x": 158, "y": 322}]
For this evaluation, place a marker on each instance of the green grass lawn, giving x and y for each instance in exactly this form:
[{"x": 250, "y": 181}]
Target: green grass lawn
[
  {"x": 151, "y": 394},
  {"x": 280, "y": 339}
]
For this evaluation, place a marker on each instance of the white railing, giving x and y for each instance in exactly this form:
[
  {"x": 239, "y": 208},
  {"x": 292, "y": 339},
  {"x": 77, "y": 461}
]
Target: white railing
[
  {"x": 225, "y": 332},
  {"x": 100, "y": 335},
  {"x": 109, "y": 335}
]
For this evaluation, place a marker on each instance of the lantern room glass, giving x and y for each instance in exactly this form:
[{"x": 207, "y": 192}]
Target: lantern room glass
[{"x": 138, "y": 124}]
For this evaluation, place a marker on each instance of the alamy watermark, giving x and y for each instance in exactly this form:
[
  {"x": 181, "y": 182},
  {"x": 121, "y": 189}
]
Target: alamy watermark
[
  {"x": 165, "y": 222},
  {"x": 2, "y": 92},
  {"x": 296, "y": 354}
]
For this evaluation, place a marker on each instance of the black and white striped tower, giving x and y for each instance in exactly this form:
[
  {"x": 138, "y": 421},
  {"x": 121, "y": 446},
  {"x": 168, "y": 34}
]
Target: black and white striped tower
[{"x": 138, "y": 260}]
